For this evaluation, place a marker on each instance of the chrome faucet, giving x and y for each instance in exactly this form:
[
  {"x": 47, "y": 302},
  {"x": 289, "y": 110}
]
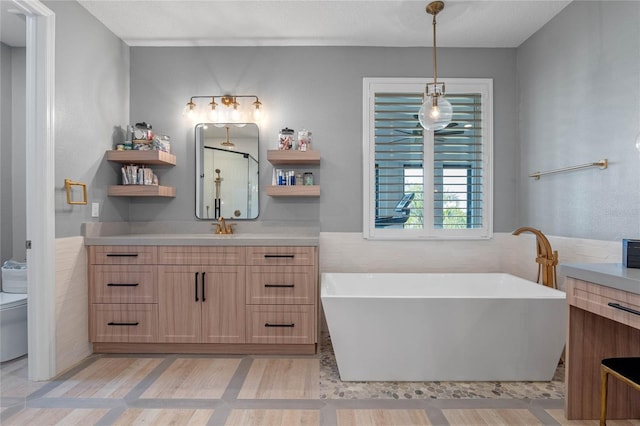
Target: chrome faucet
[
  {"x": 546, "y": 258},
  {"x": 223, "y": 227}
]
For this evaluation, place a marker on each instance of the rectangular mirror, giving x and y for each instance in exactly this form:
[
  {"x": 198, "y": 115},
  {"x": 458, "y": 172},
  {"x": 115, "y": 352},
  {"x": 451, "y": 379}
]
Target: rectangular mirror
[{"x": 227, "y": 170}]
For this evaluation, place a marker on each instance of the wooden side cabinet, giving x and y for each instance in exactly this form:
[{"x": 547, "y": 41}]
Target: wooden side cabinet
[{"x": 597, "y": 330}]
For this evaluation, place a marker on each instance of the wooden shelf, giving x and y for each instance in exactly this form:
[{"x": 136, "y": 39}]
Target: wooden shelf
[
  {"x": 293, "y": 191},
  {"x": 153, "y": 157},
  {"x": 141, "y": 191},
  {"x": 142, "y": 157},
  {"x": 277, "y": 157}
]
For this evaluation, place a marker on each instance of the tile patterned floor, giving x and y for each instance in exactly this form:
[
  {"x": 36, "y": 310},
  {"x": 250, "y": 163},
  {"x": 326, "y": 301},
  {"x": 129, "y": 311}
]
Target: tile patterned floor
[{"x": 264, "y": 390}]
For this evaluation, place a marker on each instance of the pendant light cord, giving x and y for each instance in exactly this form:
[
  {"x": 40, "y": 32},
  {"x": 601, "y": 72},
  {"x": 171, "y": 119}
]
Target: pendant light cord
[{"x": 435, "y": 63}]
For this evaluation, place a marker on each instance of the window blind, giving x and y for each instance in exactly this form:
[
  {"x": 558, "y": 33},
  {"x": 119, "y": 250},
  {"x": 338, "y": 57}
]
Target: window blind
[{"x": 457, "y": 161}]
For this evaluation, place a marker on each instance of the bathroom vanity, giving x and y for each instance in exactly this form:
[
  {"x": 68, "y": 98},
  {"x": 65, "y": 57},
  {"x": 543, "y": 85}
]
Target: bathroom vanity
[
  {"x": 604, "y": 322},
  {"x": 182, "y": 293}
]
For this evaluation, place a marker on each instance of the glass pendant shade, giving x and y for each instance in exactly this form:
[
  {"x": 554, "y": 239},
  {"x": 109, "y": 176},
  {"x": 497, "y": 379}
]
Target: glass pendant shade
[
  {"x": 213, "y": 114},
  {"x": 190, "y": 111},
  {"x": 435, "y": 113},
  {"x": 235, "y": 114}
]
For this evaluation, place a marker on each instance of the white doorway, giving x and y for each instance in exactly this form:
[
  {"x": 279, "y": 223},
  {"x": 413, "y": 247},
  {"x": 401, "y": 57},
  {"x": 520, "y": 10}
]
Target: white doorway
[{"x": 40, "y": 178}]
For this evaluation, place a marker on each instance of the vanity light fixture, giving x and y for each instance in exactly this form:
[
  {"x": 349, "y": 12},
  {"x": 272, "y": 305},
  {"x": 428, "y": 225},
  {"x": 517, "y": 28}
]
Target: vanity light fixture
[
  {"x": 436, "y": 111},
  {"x": 231, "y": 110}
]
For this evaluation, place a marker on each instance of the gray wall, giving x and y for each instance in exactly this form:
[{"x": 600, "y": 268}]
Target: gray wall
[
  {"x": 579, "y": 84},
  {"x": 91, "y": 106},
  {"x": 317, "y": 88},
  {"x": 18, "y": 152},
  {"x": 6, "y": 202},
  {"x": 13, "y": 226}
]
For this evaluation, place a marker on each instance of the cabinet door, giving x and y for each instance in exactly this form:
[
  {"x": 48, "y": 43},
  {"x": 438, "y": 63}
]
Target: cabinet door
[
  {"x": 179, "y": 303},
  {"x": 223, "y": 305}
]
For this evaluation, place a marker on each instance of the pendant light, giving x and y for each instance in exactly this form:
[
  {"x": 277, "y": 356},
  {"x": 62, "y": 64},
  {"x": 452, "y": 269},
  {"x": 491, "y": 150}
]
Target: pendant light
[{"x": 436, "y": 111}]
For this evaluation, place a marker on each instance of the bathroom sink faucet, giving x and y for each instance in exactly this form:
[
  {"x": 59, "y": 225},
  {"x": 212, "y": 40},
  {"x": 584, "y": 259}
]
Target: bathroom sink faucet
[
  {"x": 546, "y": 258},
  {"x": 223, "y": 227}
]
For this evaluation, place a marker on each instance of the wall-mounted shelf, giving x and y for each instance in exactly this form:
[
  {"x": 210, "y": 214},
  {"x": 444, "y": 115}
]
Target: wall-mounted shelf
[
  {"x": 294, "y": 158},
  {"x": 151, "y": 157},
  {"x": 141, "y": 191},
  {"x": 278, "y": 157},
  {"x": 142, "y": 157},
  {"x": 293, "y": 191}
]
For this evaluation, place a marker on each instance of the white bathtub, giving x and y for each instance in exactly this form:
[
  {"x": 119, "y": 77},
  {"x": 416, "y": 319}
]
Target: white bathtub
[{"x": 443, "y": 327}]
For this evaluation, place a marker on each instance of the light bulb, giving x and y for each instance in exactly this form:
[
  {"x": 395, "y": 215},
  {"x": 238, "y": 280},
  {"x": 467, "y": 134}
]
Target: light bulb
[
  {"x": 257, "y": 114},
  {"x": 235, "y": 114},
  {"x": 435, "y": 113},
  {"x": 213, "y": 114},
  {"x": 190, "y": 110}
]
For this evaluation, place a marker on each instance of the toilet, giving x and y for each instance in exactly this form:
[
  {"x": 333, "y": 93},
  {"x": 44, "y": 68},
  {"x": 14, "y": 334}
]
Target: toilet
[{"x": 13, "y": 315}]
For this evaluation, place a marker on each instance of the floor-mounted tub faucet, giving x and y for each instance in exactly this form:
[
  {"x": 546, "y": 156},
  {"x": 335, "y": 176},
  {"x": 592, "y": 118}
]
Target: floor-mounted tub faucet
[{"x": 546, "y": 258}]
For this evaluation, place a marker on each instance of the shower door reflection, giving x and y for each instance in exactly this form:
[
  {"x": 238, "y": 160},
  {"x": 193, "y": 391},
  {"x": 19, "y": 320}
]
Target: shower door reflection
[{"x": 227, "y": 174}]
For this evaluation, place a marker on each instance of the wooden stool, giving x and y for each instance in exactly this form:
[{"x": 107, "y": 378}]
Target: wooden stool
[{"x": 625, "y": 369}]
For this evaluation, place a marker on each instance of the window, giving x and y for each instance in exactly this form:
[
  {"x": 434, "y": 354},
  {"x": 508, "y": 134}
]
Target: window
[{"x": 421, "y": 184}]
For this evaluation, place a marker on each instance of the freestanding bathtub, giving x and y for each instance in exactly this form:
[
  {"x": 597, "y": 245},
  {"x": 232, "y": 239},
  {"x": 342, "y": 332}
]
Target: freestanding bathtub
[{"x": 443, "y": 327}]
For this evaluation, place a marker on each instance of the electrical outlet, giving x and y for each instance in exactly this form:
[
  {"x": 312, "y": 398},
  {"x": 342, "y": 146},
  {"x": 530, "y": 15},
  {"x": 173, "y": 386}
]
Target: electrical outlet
[{"x": 95, "y": 209}]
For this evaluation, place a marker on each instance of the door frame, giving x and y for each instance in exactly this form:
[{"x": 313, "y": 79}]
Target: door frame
[{"x": 40, "y": 185}]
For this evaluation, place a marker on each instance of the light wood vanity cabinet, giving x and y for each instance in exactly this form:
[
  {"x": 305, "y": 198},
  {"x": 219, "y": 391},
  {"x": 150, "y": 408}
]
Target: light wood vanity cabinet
[
  {"x": 123, "y": 294},
  {"x": 201, "y": 303},
  {"x": 281, "y": 295},
  {"x": 203, "y": 299}
]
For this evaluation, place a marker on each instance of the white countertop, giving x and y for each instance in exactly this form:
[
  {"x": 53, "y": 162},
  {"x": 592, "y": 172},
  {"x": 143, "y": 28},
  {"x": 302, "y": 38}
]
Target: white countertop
[
  {"x": 200, "y": 234},
  {"x": 210, "y": 239},
  {"x": 614, "y": 275}
]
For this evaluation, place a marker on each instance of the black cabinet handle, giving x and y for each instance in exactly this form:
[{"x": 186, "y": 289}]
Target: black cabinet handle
[
  {"x": 282, "y": 256},
  {"x": 279, "y": 285},
  {"x": 122, "y": 285},
  {"x": 196, "y": 286},
  {"x": 279, "y": 325},
  {"x": 122, "y": 254},
  {"x": 623, "y": 308},
  {"x": 203, "y": 299},
  {"x": 123, "y": 323}
]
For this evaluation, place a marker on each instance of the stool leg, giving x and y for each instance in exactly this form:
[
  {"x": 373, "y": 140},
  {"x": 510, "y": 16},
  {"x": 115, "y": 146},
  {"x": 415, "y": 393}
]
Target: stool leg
[{"x": 604, "y": 376}]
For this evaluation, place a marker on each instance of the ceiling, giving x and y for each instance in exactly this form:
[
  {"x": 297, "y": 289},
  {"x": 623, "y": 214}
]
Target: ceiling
[{"x": 470, "y": 23}]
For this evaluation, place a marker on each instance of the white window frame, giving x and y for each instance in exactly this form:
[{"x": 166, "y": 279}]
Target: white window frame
[{"x": 371, "y": 86}]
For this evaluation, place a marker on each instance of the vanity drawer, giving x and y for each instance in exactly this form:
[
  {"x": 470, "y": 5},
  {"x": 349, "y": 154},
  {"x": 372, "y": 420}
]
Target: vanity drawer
[
  {"x": 598, "y": 299},
  {"x": 281, "y": 324},
  {"x": 281, "y": 255},
  {"x": 123, "y": 284},
  {"x": 122, "y": 255},
  {"x": 132, "y": 323},
  {"x": 201, "y": 255},
  {"x": 278, "y": 285}
]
